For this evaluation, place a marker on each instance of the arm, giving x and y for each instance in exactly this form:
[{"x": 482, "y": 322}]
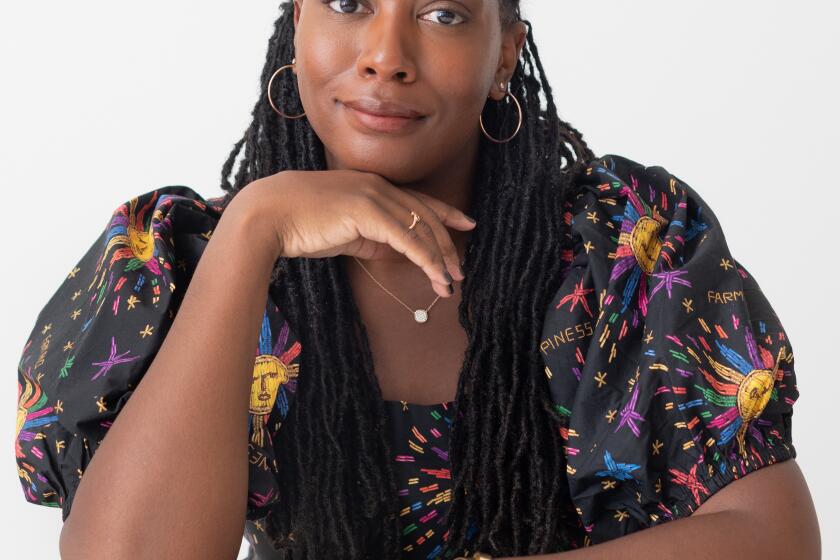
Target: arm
[
  {"x": 702, "y": 394},
  {"x": 765, "y": 514},
  {"x": 188, "y": 414}
]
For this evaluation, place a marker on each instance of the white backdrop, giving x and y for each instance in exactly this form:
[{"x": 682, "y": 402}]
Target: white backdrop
[{"x": 101, "y": 101}]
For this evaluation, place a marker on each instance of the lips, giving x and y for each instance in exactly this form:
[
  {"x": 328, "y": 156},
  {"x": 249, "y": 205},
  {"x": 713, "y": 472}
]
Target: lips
[
  {"x": 373, "y": 115},
  {"x": 381, "y": 108}
]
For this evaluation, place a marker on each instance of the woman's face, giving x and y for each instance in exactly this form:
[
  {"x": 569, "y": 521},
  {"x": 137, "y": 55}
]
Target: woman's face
[{"x": 434, "y": 62}]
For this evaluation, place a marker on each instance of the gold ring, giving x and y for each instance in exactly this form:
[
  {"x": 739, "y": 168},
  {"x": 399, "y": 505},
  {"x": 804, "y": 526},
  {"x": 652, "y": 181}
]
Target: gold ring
[{"x": 416, "y": 219}]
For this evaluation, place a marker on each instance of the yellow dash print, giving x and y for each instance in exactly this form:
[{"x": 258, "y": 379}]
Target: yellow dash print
[
  {"x": 415, "y": 447},
  {"x": 693, "y": 354},
  {"x": 604, "y": 335}
]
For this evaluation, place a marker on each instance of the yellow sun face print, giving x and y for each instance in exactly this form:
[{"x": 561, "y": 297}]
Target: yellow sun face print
[
  {"x": 754, "y": 393},
  {"x": 269, "y": 374},
  {"x": 644, "y": 240},
  {"x": 141, "y": 243}
]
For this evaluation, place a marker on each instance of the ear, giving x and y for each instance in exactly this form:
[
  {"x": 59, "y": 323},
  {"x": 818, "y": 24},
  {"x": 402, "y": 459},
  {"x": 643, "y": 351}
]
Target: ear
[
  {"x": 297, "y": 13},
  {"x": 513, "y": 40},
  {"x": 296, "y": 19}
]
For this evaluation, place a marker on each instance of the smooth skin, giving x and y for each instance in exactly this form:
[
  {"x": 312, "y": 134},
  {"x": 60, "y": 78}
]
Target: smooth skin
[{"x": 443, "y": 57}]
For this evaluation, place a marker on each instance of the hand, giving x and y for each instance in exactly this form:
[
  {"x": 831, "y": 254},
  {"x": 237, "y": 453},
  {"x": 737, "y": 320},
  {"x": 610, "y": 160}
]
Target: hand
[{"x": 327, "y": 213}]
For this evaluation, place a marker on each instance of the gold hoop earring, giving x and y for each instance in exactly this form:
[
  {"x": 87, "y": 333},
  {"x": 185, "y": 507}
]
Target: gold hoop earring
[
  {"x": 271, "y": 101},
  {"x": 518, "y": 125}
]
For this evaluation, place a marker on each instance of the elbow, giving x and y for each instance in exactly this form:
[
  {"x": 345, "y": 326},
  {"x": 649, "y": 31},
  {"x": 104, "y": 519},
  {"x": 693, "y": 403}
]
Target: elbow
[
  {"x": 773, "y": 508},
  {"x": 81, "y": 540},
  {"x": 795, "y": 519},
  {"x": 70, "y": 543},
  {"x": 789, "y": 521},
  {"x": 77, "y": 543},
  {"x": 806, "y": 540}
]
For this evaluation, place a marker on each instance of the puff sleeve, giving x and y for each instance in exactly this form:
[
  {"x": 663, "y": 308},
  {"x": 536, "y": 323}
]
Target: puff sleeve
[
  {"x": 672, "y": 372},
  {"x": 98, "y": 333}
]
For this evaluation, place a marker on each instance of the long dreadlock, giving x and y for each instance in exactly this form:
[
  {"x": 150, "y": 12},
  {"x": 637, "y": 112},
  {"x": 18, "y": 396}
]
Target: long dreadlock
[{"x": 338, "y": 489}]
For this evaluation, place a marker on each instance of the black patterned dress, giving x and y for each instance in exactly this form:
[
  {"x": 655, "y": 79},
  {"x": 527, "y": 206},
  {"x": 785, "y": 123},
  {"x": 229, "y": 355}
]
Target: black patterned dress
[
  {"x": 419, "y": 439},
  {"x": 670, "y": 369}
]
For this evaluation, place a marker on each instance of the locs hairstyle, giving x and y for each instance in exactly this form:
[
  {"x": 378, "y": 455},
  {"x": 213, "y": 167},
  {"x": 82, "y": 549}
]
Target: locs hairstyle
[{"x": 338, "y": 491}]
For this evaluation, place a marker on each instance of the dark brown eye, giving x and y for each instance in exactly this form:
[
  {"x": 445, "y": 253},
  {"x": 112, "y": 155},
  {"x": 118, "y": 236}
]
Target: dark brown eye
[
  {"x": 344, "y": 6},
  {"x": 446, "y": 17}
]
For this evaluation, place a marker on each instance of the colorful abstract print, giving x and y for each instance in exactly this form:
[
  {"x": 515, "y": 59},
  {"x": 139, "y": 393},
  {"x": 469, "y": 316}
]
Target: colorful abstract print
[
  {"x": 420, "y": 443},
  {"x": 97, "y": 335},
  {"x": 419, "y": 436},
  {"x": 670, "y": 368}
]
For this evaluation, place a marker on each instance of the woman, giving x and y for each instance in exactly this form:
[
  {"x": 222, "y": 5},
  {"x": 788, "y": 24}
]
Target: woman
[{"x": 601, "y": 365}]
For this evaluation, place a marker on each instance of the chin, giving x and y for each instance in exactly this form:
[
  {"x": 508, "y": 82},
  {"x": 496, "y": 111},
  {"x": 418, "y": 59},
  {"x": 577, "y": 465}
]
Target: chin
[{"x": 390, "y": 164}]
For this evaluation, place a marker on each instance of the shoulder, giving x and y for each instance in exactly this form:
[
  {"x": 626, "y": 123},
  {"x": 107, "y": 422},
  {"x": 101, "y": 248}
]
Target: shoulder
[
  {"x": 160, "y": 206},
  {"x": 143, "y": 231},
  {"x": 673, "y": 372},
  {"x": 627, "y": 190},
  {"x": 633, "y": 220},
  {"x": 96, "y": 336}
]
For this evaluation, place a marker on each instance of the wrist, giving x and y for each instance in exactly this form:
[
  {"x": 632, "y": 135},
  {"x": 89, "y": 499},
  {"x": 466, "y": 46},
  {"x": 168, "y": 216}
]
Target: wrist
[{"x": 247, "y": 220}]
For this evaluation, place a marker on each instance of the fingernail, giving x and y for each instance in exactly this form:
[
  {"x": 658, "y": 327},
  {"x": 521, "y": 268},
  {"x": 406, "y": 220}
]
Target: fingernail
[{"x": 470, "y": 219}]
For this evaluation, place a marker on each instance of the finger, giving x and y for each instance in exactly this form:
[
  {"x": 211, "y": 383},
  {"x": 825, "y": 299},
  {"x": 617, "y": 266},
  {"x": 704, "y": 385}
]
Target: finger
[
  {"x": 448, "y": 214},
  {"x": 408, "y": 202},
  {"x": 376, "y": 222}
]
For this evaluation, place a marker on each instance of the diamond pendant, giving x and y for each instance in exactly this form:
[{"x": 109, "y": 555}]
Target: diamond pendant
[{"x": 421, "y": 316}]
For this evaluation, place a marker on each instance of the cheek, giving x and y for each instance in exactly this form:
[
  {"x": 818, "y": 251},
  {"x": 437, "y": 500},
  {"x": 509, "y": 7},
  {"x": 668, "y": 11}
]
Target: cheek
[
  {"x": 461, "y": 82},
  {"x": 312, "y": 79},
  {"x": 317, "y": 93},
  {"x": 323, "y": 61},
  {"x": 462, "y": 92}
]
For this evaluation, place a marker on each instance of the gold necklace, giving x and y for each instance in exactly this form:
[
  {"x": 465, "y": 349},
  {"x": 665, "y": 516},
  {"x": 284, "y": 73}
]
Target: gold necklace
[{"x": 420, "y": 315}]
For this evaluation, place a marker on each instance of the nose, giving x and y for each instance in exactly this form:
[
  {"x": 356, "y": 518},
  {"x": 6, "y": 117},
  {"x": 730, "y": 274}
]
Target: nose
[{"x": 384, "y": 50}]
